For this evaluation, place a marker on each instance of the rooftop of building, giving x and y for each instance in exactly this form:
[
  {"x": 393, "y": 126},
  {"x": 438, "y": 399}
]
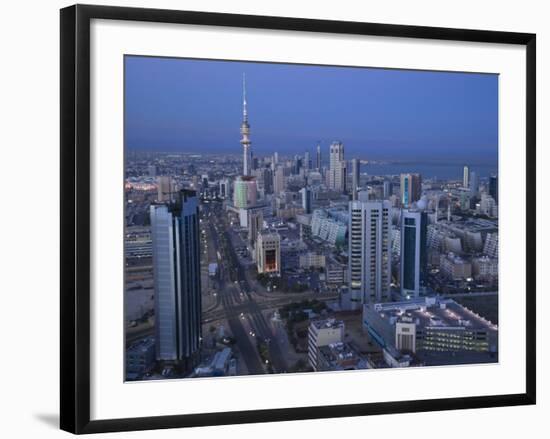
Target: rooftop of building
[
  {"x": 269, "y": 234},
  {"x": 335, "y": 213},
  {"x": 341, "y": 355},
  {"x": 471, "y": 224},
  {"x": 431, "y": 312},
  {"x": 328, "y": 324},
  {"x": 434, "y": 358}
]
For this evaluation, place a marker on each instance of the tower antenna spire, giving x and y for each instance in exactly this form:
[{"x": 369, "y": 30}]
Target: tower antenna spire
[{"x": 245, "y": 111}]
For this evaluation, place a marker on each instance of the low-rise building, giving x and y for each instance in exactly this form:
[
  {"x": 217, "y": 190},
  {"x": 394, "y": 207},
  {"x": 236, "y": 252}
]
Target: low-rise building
[
  {"x": 330, "y": 226},
  {"x": 322, "y": 333},
  {"x": 220, "y": 365},
  {"x": 312, "y": 260},
  {"x": 395, "y": 358},
  {"x": 429, "y": 324},
  {"x": 487, "y": 206},
  {"x": 454, "y": 267},
  {"x": 336, "y": 274},
  {"x": 485, "y": 268},
  {"x": 490, "y": 247},
  {"x": 268, "y": 256},
  {"x": 339, "y": 356}
]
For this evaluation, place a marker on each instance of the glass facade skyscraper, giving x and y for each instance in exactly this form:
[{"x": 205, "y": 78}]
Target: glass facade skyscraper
[
  {"x": 411, "y": 188},
  {"x": 466, "y": 177},
  {"x": 245, "y": 192},
  {"x": 493, "y": 187},
  {"x": 413, "y": 252},
  {"x": 307, "y": 197},
  {"x": 356, "y": 175},
  {"x": 177, "y": 278}
]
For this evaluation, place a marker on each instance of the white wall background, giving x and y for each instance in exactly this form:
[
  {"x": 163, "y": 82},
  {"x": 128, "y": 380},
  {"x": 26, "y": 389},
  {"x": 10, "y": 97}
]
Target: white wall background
[{"x": 29, "y": 236}]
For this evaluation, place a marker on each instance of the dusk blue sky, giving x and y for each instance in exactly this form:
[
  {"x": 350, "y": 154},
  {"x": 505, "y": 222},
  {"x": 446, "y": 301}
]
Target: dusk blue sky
[{"x": 196, "y": 106}]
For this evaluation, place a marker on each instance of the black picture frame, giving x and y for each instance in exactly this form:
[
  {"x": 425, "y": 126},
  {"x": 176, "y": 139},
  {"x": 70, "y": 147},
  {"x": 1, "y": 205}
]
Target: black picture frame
[{"x": 75, "y": 217}]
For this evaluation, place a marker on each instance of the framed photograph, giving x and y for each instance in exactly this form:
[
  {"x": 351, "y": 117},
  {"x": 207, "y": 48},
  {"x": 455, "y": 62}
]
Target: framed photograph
[{"x": 268, "y": 218}]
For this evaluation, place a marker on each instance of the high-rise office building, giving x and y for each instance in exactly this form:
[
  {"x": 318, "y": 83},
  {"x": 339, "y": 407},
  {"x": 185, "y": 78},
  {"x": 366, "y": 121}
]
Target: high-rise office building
[
  {"x": 255, "y": 225},
  {"x": 356, "y": 177},
  {"x": 307, "y": 199},
  {"x": 274, "y": 160},
  {"x": 411, "y": 188},
  {"x": 264, "y": 180},
  {"x": 318, "y": 158},
  {"x": 165, "y": 188},
  {"x": 307, "y": 161},
  {"x": 414, "y": 226},
  {"x": 278, "y": 180},
  {"x": 245, "y": 133},
  {"x": 297, "y": 165},
  {"x": 387, "y": 189},
  {"x": 245, "y": 192},
  {"x": 177, "y": 279},
  {"x": 268, "y": 253},
  {"x": 466, "y": 177},
  {"x": 474, "y": 184},
  {"x": 337, "y": 167},
  {"x": 224, "y": 188},
  {"x": 267, "y": 175},
  {"x": 369, "y": 251},
  {"x": 493, "y": 187}
]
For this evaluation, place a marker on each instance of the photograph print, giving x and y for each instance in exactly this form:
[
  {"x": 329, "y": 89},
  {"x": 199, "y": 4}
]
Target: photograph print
[{"x": 292, "y": 218}]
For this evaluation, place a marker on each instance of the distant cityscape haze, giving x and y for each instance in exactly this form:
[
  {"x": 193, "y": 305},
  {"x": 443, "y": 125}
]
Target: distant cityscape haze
[{"x": 186, "y": 105}]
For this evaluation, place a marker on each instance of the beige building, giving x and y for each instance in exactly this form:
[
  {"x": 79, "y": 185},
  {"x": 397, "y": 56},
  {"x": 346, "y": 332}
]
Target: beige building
[
  {"x": 485, "y": 268},
  {"x": 312, "y": 260},
  {"x": 278, "y": 180},
  {"x": 323, "y": 333},
  {"x": 268, "y": 253},
  {"x": 454, "y": 267}
]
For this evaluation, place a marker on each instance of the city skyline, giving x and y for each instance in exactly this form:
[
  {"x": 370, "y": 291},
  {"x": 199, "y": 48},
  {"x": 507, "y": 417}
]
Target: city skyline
[
  {"x": 180, "y": 105},
  {"x": 252, "y": 261}
]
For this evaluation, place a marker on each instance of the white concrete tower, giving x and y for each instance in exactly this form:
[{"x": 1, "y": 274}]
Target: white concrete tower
[
  {"x": 337, "y": 176},
  {"x": 245, "y": 133},
  {"x": 369, "y": 260},
  {"x": 318, "y": 158}
]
